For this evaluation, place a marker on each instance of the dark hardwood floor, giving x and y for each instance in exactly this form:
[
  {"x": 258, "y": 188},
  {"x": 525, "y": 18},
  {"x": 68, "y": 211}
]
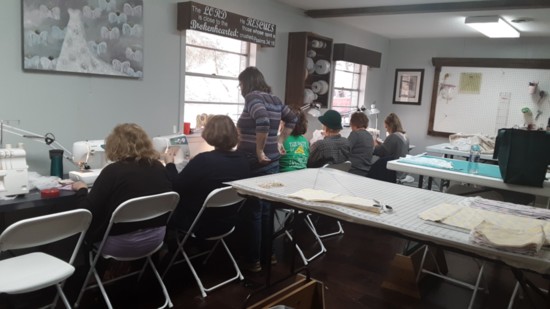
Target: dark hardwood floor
[{"x": 352, "y": 271}]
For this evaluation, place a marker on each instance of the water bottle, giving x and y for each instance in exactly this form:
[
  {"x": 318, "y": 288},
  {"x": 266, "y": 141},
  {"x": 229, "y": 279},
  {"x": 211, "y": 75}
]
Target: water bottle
[{"x": 473, "y": 161}]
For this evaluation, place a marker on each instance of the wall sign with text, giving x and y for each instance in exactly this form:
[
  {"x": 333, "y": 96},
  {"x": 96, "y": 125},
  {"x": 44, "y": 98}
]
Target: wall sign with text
[{"x": 200, "y": 17}]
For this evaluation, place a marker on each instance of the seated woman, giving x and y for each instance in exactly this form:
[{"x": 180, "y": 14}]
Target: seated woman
[
  {"x": 207, "y": 171},
  {"x": 361, "y": 144},
  {"x": 396, "y": 145},
  {"x": 296, "y": 147},
  {"x": 135, "y": 171},
  {"x": 333, "y": 148}
]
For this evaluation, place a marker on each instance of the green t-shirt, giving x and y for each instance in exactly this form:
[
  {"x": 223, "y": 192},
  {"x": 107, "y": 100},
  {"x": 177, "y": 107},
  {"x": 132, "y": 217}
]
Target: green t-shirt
[{"x": 297, "y": 153}]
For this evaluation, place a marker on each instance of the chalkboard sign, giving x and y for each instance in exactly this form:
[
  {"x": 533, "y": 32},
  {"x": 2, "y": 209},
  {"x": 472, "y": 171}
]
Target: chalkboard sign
[
  {"x": 476, "y": 95},
  {"x": 200, "y": 17}
]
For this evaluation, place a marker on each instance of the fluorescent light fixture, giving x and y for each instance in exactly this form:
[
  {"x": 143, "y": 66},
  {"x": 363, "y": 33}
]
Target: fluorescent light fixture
[{"x": 492, "y": 26}]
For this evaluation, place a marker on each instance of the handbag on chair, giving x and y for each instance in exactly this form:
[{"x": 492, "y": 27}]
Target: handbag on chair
[{"x": 523, "y": 156}]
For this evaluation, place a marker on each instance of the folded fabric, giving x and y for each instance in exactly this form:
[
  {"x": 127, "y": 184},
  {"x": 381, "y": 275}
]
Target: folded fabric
[
  {"x": 425, "y": 161},
  {"x": 525, "y": 241},
  {"x": 439, "y": 212},
  {"x": 314, "y": 195}
]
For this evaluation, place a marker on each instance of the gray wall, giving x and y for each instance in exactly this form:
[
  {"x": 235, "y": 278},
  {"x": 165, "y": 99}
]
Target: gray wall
[
  {"x": 79, "y": 107},
  {"x": 416, "y": 54}
]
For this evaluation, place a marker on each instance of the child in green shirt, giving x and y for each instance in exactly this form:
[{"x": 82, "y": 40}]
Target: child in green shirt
[{"x": 296, "y": 147}]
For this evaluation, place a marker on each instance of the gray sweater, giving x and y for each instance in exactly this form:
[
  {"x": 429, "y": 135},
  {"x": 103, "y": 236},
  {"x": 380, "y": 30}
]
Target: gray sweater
[
  {"x": 362, "y": 147},
  {"x": 396, "y": 145}
]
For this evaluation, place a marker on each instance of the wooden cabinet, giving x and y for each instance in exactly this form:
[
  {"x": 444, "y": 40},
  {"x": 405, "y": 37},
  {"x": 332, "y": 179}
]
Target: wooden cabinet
[{"x": 309, "y": 69}]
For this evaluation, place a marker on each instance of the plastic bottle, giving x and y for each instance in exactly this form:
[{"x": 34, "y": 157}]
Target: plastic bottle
[{"x": 475, "y": 154}]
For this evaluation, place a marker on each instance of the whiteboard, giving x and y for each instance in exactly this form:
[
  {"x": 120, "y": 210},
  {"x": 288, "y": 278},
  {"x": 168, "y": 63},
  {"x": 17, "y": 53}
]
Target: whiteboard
[{"x": 472, "y": 99}]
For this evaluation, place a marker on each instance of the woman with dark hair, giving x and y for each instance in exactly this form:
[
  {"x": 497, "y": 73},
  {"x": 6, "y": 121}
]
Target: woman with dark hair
[
  {"x": 296, "y": 147},
  {"x": 396, "y": 145},
  {"x": 258, "y": 128},
  {"x": 135, "y": 171},
  {"x": 206, "y": 171},
  {"x": 361, "y": 144}
]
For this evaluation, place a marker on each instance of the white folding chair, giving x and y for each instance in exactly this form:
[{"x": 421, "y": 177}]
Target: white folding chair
[
  {"x": 474, "y": 287},
  {"x": 345, "y": 167},
  {"x": 36, "y": 270},
  {"x": 133, "y": 210},
  {"x": 221, "y": 197}
]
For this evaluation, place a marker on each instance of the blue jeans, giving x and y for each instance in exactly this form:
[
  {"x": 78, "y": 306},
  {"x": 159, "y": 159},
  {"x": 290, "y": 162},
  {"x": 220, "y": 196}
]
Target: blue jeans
[{"x": 257, "y": 214}]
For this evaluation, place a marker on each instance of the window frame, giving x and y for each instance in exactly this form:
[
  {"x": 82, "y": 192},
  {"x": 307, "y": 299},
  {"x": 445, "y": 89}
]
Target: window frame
[{"x": 249, "y": 55}]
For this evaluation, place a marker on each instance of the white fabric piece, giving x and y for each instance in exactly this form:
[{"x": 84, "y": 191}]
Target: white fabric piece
[{"x": 313, "y": 195}]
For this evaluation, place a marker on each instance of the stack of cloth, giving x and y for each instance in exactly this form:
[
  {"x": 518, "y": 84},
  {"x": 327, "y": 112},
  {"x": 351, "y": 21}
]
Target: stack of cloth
[
  {"x": 463, "y": 142},
  {"x": 505, "y": 226},
  {"x": 527, "y": 240}
]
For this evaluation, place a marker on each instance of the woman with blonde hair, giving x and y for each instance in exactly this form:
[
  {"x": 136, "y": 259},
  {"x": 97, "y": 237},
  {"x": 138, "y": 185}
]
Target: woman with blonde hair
[
  {"x": 396, "y": 145},
  {"x": 135, "y": 171}
]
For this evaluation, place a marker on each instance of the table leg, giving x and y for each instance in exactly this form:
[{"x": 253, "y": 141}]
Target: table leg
[{"x": 420, "y": 181}]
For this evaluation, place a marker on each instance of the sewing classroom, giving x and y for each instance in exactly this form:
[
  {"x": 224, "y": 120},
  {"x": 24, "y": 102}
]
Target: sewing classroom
[{"x": 283, "y": 154}]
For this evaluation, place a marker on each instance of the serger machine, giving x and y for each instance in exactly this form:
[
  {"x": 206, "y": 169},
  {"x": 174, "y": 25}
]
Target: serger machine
[
  {"x": 14, "y": 178},
  {"x": 90, "y": 157},
  {"x": 163, "y": 143}
]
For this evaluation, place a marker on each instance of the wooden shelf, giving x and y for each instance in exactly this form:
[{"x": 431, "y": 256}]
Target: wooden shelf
[{"x": 297, "y": 76}]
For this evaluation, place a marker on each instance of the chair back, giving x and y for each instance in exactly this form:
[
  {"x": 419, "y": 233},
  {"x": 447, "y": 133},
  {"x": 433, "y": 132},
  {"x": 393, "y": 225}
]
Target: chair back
[
  {"x": 222, "y": 197},
  {"x": 344, "y": 166},
  {"x": 46, "y": 229},
  {"x": 145, "y": 207},
  {"x": 218, "y": 198}
]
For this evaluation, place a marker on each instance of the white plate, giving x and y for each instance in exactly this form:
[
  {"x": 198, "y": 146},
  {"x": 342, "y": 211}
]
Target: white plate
[
  {"x": 310, "y": 65},
  {"x": 322, "y": 67}
]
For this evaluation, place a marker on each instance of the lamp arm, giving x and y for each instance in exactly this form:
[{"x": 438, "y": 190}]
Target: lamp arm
[{"x": 48, "y": 139}]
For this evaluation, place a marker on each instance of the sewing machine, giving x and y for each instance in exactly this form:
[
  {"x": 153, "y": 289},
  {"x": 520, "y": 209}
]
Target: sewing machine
[
  {"x": 14, "y": 179},
  {"x": 90, "y": 157},
  {"x": 163, "y": 143}
]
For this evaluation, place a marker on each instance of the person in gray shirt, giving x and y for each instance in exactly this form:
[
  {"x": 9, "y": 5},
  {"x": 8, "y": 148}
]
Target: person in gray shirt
[
  {"x": 396, "y": 145},
  {"x": 333, "y": 148},
  {"x": 361, "y": 144}
]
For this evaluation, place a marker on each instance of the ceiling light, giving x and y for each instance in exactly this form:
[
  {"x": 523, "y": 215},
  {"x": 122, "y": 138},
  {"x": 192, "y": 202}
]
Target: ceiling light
[{"x": 492, "y": 26}]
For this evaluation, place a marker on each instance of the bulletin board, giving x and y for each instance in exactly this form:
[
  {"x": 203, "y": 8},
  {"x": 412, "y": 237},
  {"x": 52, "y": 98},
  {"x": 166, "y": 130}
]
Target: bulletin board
[{"x": 478, "y": 95}]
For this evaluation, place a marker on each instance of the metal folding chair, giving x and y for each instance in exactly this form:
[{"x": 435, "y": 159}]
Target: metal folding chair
[
  {"x": 36, "y": 270},
  {"x": 133, "y": 210},
  {"x": 221, "y": 197}
]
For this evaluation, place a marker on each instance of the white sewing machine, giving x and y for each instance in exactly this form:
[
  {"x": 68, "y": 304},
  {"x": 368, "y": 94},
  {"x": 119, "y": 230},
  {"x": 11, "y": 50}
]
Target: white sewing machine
[
  {"x": 163, "y": 143},
  {"x": 90, "y": 157},
  {"x": 14, "y": 178}
]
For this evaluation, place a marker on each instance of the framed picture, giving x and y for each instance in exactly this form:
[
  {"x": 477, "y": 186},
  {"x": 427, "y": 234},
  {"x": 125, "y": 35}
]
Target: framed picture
[
  {"x": 102, "y": 37},
  {"x": 408, "y": 86}
]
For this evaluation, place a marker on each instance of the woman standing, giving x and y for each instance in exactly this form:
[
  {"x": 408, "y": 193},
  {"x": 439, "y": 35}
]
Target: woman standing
[{"x": 258, "y": 128}]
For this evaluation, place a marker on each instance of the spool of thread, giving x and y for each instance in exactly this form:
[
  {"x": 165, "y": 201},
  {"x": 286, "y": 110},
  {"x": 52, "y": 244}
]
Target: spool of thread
[{"x": 56, "y": 164}]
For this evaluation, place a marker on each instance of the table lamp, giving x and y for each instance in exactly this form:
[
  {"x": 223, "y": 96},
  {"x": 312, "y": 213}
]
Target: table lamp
[{"x": 374, "y": 111}]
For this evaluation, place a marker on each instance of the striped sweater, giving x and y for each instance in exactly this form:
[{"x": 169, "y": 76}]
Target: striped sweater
[{"x": 262, "y": 113}]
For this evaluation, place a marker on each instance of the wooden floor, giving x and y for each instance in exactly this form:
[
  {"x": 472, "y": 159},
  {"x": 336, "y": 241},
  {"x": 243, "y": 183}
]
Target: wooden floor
[{"x": 352, "y": 271}]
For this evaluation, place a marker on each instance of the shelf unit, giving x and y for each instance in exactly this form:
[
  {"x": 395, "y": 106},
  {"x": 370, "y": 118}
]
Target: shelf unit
[{"x": 297, "y": 76}]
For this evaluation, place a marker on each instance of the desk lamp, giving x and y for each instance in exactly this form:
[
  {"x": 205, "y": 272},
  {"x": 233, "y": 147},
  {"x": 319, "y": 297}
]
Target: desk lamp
[
  {"x": 314, "y": 109},
  {"x": 374, "y": 111}
]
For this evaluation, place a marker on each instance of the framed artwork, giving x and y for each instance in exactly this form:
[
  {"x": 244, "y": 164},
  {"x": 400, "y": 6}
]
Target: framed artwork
[
  {"x": 408, "y": 86},
  {"x": 100, "y": 37}
]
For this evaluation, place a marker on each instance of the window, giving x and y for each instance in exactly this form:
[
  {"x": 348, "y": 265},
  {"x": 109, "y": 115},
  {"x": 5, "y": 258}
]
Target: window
[
  {"x": 212, "y": 65},
  {"x": 348, "y": 93}
]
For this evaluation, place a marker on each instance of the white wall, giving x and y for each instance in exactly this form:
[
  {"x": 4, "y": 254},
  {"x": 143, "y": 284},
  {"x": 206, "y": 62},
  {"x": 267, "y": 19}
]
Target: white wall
[
  {"x": 415, "y": 54},
  {"x": 77, "y": 107}
]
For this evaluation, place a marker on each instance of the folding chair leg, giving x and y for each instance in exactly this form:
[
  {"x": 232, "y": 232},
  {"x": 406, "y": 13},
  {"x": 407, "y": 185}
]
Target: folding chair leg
[
  {"x": 339, "y": 231},
  {"x": 167, "y": 300},
  {"x": 60, "y": 293},
  {"x": 438, "y": 274},
  {"x": 513, "y": 297}
]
